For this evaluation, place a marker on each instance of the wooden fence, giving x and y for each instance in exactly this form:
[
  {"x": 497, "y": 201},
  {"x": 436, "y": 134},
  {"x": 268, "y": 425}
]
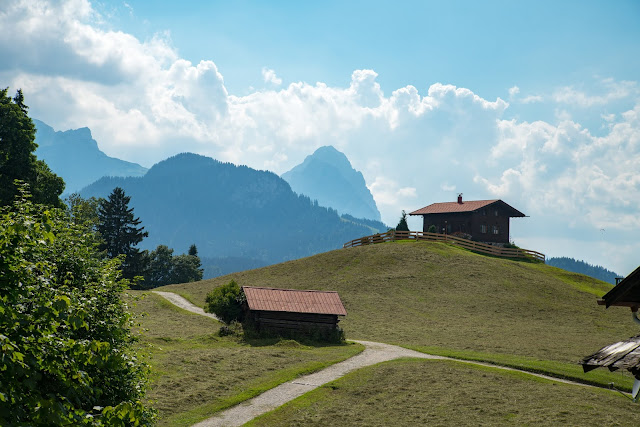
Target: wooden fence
[{"x": 484, "y": 248}]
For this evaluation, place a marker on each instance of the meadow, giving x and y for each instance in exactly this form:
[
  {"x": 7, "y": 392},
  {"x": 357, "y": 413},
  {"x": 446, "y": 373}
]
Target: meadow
[
  {"x": 195, "y": 372},
  {"x": 441, "y": 299}
]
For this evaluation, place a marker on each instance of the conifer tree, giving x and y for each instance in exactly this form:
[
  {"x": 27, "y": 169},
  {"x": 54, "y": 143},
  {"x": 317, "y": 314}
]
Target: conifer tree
[
  {"x": 120, "y": 232},
  {"x": 402, "y": 224},
  {"x": 193, "y": 250}
]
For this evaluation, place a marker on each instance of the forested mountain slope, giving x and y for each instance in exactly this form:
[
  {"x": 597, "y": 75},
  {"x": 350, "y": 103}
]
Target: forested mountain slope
[{"x": 229, "y": 211}]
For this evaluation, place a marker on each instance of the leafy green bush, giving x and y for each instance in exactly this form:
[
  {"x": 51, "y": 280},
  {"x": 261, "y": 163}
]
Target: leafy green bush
[
  {"x": 66, "y": 348},
  {"x": 226, "y": 302},
  {"x": 432, "y": 229}
]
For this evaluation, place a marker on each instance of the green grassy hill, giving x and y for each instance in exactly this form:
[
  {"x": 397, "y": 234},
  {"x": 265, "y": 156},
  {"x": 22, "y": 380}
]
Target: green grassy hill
[{"x": 441, "y": 299}]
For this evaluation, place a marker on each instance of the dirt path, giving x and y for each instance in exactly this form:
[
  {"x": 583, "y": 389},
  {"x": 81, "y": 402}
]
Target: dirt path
[
  {"x": 373, "y": 353},
  {"x": 176, "y": 299}
]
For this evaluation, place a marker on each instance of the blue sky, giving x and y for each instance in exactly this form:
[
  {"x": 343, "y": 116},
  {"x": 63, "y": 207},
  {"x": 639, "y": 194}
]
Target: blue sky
[
  {"x": 535, "y": 103},
  {"x": 489, "y": 46}
]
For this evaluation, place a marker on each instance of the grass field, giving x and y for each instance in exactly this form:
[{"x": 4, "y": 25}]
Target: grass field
[
  {"x": 421, "y": 392},
  {"x": 196, "y": 373},
  {"x": 435, "y": 297}
]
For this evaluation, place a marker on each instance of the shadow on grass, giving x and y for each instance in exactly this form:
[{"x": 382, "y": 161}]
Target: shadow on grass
[{"x": 288, "y": 342}]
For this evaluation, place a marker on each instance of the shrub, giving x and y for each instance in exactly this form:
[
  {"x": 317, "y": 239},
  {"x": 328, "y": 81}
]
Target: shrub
[
  {"x": 226, "y": 302},
  {"x": 65, "y": 334},
  {"x": 432, "y": 229}
]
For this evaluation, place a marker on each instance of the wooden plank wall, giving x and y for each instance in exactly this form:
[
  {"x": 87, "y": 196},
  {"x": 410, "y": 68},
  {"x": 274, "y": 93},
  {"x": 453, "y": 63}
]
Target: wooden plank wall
[{"x": 284, "y": 321}]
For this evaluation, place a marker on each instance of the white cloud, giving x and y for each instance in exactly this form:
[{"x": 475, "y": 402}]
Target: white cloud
[
  {"x": 388, "y": 192},
  {"x": 532, "y": 99},
  {"x": 270, "y": 76},
  {"x": 611, "y": 91},
  {"x": 143, "y": 103},
  {"x": 592, "y": 180}
]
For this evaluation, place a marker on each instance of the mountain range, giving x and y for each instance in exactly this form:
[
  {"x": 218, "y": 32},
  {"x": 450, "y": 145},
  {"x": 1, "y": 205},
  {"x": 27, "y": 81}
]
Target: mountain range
[
  {"x": 230, "y": 212},
  {"x": 74, "y": 155},
  {"x": 328, "y": 177}
]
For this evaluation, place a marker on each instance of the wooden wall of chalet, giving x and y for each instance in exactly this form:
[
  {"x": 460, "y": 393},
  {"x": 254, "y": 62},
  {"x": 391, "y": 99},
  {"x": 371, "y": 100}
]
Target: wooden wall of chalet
[
  {"x": 286, "y": 323},
  {"x": 471, "y": 223}
]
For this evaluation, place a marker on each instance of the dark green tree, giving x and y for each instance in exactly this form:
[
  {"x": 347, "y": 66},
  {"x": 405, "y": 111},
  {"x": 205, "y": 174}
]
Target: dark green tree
[
  {"x": 193, "y": 250},
  {"x": 163, "y": 268},
  {"x": 186, "y": 268},
  {"x": 159, "y": 268},
  {"x": 17, "y": 158},
  {"x": 120, "y": 233},
  {"x": 67, "y": 354},
  {"x": 402, "y": 225}
]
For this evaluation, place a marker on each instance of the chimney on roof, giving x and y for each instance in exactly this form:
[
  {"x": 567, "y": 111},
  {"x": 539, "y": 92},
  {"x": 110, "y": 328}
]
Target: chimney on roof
[{"x": 460, "y": 198}]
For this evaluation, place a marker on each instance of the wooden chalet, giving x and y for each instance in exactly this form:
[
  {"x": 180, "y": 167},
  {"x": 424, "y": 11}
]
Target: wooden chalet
[
  {"x": 485, "y": 220},
  {"x": 623, "y": 354},
  {"x": 286, "y": 311},
  {"x": 626, "y": 293}
]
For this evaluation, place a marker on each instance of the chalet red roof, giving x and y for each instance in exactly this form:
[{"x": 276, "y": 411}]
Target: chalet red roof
[
  {"x": 294, "y": 301},
  {"x": 464, "y": 206}
]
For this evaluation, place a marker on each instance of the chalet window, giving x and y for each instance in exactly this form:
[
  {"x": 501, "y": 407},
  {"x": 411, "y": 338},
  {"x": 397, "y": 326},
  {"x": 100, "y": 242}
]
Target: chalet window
[
  {"x": 483, "y": 228},
  {"x": 484, "y": 212},
  {"x": 496, "y": 230},
  {"x": 495, "y": 212}
]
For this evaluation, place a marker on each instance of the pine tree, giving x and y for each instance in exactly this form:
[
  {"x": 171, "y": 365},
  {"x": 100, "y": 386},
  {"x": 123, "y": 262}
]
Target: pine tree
[
  {"x": 402, "y": 224},
  {"x": 193, "y": 250},
  {"x": 120, "y": 232}
]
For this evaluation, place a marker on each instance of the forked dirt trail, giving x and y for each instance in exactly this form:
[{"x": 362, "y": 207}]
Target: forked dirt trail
[{"x": 373, "y": 353}]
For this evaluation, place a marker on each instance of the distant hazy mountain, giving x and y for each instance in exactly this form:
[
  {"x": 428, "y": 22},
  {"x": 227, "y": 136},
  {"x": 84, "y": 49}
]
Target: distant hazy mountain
[
  {"x": 582, "y": 267},
  {"x": 74, "y": 155},
  {"x": 327, "y": 176},
  {"x": 229, "y": 212}
]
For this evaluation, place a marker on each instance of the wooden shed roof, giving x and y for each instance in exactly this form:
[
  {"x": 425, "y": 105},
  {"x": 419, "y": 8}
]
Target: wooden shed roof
[
  {"x": 464, "y": 206},
  {"x": 620, "y": 355},
  {"x": 294, "y": 301},
  {"x": 626, "y": 293}
]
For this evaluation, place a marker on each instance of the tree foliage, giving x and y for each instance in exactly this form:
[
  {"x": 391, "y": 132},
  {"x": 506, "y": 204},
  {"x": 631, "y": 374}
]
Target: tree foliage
[
  {"x": 226, "y": 302},
  {"x": 83, "y": 211},
  {"x": 164, "y": 268},
  {"x": 120, "y": 233},
  {"x": 17, "y": 158},
  {"x": 65, "y": 333},
  {"x": 402, "y": 224}
]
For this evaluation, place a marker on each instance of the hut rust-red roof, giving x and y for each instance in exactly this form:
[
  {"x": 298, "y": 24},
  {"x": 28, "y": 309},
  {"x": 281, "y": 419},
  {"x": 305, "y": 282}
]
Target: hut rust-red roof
[
  {"x": 466, "y": 206},
  {"x": 294, "y": 301}
]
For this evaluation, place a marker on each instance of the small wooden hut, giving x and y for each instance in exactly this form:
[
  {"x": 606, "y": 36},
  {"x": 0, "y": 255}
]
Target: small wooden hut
[
  {"x": 623, "y": 354},
  {"x": 289, "y": 311}
]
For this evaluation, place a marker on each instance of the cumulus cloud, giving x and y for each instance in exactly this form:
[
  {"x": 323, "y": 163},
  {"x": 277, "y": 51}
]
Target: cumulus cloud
[
  {"x": 414, "y": 145},
  {"x": 270, "y": 76},
  {"x": 565, "y": 169}
]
